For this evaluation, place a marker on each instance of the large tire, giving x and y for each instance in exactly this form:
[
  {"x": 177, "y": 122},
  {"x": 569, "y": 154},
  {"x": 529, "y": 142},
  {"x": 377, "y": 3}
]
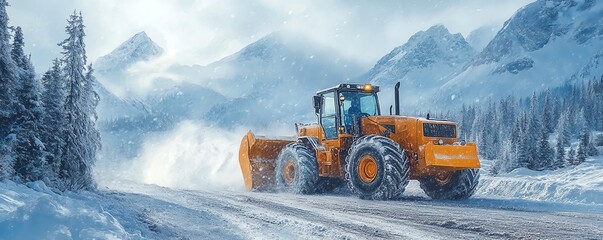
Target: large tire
[
  {"x": 460, "y": 185},
  {"x": 389, "y": 171},
  {"x": 297, "y": 169}
]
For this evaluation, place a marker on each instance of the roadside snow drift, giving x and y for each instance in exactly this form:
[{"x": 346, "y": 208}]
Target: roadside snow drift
[
  {"x": 574, "y": 184},
  {"x": 38, "y": 213}
]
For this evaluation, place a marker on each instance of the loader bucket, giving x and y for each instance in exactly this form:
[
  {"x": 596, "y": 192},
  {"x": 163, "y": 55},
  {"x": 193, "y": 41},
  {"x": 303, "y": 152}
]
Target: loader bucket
[
  {"x": 456, "y": 157},
  {"x": 257, "y": 157}
]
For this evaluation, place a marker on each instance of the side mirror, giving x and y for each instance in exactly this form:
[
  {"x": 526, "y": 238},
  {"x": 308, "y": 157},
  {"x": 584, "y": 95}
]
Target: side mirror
[{"x": 317, "y": 103}]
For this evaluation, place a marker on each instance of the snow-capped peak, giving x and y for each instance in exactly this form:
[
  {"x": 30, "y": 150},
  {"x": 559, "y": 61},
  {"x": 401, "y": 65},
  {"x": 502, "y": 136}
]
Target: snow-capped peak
[
  {"x": 138, "y": 48},
  {"x": 262, "y": 47},
  {"x": 543, "y": 45},
  {"x": 534, "y": 26},
  {"x": 270, "y": 46},
  {"x": 423, "y": 51},
  {"x": 422, "y": 63}
]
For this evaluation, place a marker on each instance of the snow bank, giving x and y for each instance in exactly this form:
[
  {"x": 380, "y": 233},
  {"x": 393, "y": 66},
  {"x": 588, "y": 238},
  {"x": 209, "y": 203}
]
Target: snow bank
[
  {"x": 39, "y": 213},
  {"x": 574, "y": 184}
]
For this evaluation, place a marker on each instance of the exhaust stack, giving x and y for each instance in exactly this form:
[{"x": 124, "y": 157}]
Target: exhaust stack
[{"x": 397, "y": 97}]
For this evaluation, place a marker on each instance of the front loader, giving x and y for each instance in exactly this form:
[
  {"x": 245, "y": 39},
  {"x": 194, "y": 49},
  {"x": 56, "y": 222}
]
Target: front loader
[{"x": 353, "y": 143}]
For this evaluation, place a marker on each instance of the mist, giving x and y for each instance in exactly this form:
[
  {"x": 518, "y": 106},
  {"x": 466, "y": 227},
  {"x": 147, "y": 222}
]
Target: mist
[{"x": 193, "y": 156}]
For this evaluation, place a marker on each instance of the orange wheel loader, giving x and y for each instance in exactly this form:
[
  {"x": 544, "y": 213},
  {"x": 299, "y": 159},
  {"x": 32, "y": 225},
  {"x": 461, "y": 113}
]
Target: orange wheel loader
[{"x": 353, "y": 143}]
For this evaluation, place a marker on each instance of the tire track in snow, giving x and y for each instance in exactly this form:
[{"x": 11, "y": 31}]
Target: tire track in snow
[
  {"x": 368, "y": 225},
  {"x": 288, "y": 216},
  {"x": 491, "y": 222}
]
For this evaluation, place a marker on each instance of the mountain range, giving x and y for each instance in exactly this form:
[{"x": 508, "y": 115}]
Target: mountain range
[{"x": 544, "y": 44}]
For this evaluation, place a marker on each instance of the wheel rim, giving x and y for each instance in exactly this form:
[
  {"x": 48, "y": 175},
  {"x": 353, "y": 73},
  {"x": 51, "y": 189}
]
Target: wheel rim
[
  {"x": 367, "y": 169},
  {"x": 443, "y": 178},
  {"x": 289, "y": 172}
]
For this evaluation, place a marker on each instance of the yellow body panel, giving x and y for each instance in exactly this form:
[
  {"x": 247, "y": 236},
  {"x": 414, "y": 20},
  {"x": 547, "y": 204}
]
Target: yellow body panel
[
  {"x": 451, "y": 157},
  {"x": 426, "y": 157}
]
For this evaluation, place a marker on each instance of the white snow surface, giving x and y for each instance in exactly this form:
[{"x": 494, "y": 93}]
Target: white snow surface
[
  {"x": 507, "y": 206},
  {"x": 574, "y": 184},
  {"x": 181, "y": 178},
  {"x": 36, "y": 212}
]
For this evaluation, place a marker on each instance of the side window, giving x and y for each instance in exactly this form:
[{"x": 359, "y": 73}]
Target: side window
[
  {"x": 328, "y": 108},
  {"x": 328, "y": 116}
]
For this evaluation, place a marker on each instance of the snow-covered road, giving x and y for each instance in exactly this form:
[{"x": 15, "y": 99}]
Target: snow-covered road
[{"x": 170, "y": 213}]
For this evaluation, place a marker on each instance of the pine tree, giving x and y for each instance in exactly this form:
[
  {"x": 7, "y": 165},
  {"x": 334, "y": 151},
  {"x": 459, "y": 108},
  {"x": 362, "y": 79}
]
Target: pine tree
[
  {"x": 547, "y": 120},
  {"x": 91, "y": 100},
  {"x": 496, "y": 167},
  {"x": 583, "y": 146},
  {"x": 476, "y": 127},
  {"x": 79, "y": 150},
  {"x": 599, "y": 140},
  {"x": 506, "y": 117},
  {"x": 514, "y": 143},
  {"x": 488, "y": 141},
  {"x": 54, "y": 120},
  {"x": 508, "y": 156},
  {"x": 8, "y": 79},
  {"x": 531, "y": 135},
  {"x": 29, "y": 149},
  {"x": 571, "y": 156},
  {"x": 564, "y": 129},
  {"x": 560, "y": 161},
  {"x": 467, "y": 118},
  {"x": 579, "y": 123},
  {"x": 17, "y": 52},
  {"x": 545, "y": 152},
  {"x": 591, "y": 150},
  {"x": 524, "y": 146}
]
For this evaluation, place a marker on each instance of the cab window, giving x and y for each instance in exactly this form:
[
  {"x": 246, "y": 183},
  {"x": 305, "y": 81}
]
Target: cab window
[
  {"x": 328, "y": 116},
  {"x": 357, "y": 104}
]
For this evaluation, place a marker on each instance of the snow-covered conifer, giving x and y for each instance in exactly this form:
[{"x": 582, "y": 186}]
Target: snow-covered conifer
[
  {"x": 54, "y": 119},
  {"x": 545, "y": 152},
  {"x": 599, "y": 140},
  {"x": 508, "y": 156},
  {"x": 571, "y": 156},
  {"x": 7, "y": 75},
  {"x": 532, "y": 133},
  {"x": 29, "y": 149},
  {"x": 488, "y": 137},
  {"x": 582, "y": 152},
  {"x": 547, "y": 120},
  {"x": 560, "y": 161},
  {"x": 564, "y": 129},
  {"x": 591, "y": 150},
  {"x": 8, "y": 79},
  {"x": 79, "y": 150},
  {"x": 523, "y": 155}
]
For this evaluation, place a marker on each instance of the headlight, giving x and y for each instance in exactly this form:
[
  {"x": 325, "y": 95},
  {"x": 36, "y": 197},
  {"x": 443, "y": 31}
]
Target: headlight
[{"x": 441, "y": 142}]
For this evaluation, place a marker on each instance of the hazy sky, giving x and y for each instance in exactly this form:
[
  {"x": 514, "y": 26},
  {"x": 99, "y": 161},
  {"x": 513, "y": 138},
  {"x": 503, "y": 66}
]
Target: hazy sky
[{"x": 203, "y": 31}]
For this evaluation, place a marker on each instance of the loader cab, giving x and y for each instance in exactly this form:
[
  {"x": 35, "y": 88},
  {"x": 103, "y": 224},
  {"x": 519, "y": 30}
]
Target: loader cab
[{"x": 338, "y": 107}]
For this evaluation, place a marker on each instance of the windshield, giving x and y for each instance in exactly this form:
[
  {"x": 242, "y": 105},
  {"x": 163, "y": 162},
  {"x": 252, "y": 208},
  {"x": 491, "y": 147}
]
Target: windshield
[
  {"x": 359, "y": 103},
  {"x": 356, "y": 105}
]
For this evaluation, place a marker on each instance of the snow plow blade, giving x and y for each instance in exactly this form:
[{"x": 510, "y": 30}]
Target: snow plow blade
[
  {"x": 453, "y": 157},
  {"x": 257, "y": 157}
]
